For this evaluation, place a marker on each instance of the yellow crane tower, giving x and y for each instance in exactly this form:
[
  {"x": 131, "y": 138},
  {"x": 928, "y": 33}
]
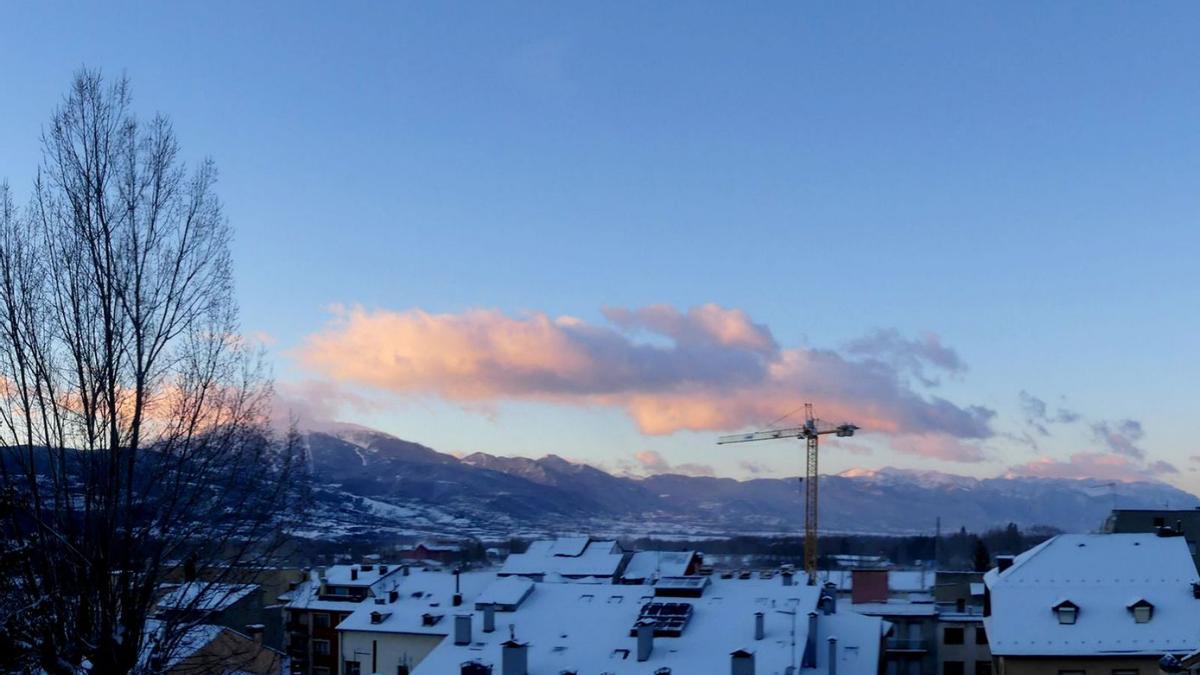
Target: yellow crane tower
[{"x": 812, "y": 430}]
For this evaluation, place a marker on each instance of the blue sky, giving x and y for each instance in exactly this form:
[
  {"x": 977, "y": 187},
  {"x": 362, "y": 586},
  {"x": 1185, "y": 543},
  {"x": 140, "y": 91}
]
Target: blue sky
[{"x": 1017, "y": 179}]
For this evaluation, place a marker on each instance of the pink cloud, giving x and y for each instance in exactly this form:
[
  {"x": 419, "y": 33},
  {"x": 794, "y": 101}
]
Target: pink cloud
[
  {"x": 709, "y": 368},
  {"x": 1097, "y": 465},
  {"x": 651, "y": 462}
]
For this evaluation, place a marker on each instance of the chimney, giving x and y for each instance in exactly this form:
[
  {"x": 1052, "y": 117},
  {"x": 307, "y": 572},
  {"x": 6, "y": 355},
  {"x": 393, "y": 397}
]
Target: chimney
[
  {"x": 514, "y": 658},
  {"x": 645, "y": 639},
  {"x": 831, "y": 592},
  {"x": 788, "y": 578},
  {"x": 832, "y": 656},
  {"x": 321, "y": 579},
  {"x": 376, "y": 617},
  {"x": 383, "y": 570},
  {"x": 741, "y": 662},
  {"x": 393, "y": 595},
  {"x": 759, "y": 629},
  {"x": 489, "y": 618},
  {"x": 404, "y": 570},
  {"x": 255, "y": 631},
  {"x": 457, "y": 600},
  {"x": 868, "y": 585},
  {"x": 462, "y": 629},
  {"x": 353, "y": 573},
  {"x": 1003, "y": 562},
  {"x": 809, "y": 660}
]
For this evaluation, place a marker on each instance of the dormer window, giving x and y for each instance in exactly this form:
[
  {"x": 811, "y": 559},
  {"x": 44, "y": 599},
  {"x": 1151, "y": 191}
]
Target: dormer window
[
  {"x": 1142, "y": 610},
  {"x": 1066, "y": 611}
]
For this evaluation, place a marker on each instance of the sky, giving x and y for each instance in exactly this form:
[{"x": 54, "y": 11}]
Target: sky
[{"x": 615, "y": 231}]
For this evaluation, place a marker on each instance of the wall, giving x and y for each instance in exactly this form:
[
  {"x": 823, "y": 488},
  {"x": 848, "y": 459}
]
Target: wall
[
  {"x": 390, "y": 648},
  {"x": 967, "y": 653},
  {"x": 1090, "y": 666}
]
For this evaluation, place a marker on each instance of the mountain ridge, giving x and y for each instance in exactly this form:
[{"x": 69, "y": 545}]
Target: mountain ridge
[{"x": 554, "y": 494}]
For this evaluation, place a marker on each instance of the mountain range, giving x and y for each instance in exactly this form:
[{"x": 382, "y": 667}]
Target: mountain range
[{"x": 371, "y": 481}]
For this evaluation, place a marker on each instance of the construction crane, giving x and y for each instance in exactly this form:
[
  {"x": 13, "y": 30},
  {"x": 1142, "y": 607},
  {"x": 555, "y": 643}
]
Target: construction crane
[{"x": 812, "y": 430}]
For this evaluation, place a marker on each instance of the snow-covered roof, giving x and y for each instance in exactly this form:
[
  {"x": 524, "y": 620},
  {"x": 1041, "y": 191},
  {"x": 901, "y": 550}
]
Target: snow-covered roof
[
  {"x": 193, "y": 639},
  {"x": 306, "y": 595},
  {"x": 421, "y": 592},
  {"x": 505, "y": 592},
  {"x": 1099, "y": 573},
  {"x": 571, "y": 557},
  {"x": 343, "y": 575},
  {"x": 646, "y": 565},
  {"x": 587, "y": 628},
  {"x": 204, "y": 596}
]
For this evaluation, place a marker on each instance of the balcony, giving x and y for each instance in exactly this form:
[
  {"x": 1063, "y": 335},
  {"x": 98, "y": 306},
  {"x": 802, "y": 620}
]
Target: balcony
[{"x": 900, "y": 645}]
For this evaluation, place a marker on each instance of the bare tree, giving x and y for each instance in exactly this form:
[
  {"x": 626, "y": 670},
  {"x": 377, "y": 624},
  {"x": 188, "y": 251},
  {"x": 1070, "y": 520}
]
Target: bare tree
[{"x": 133, "y": 417}]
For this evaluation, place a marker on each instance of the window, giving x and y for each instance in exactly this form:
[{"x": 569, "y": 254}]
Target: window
[
  {"x": 1066, "y": 611},
  {"x": 954, "y": 668},
  {"x": 321, "y": 647},
  {"x": 981, "y": 636},
  {"x": 1071, "y": 672},
  {"x": 1159, "y": 521},
  {"x": 1142, "y": 610},
  {"x": 983, "y": 668},
  {"x": 1125, "y": 671},
  {"x": 351, "y": 668},
  {"x": 320, "y": 670},
  {"x": 320, "y": 621},
  {"x": 952, "y": 635}
]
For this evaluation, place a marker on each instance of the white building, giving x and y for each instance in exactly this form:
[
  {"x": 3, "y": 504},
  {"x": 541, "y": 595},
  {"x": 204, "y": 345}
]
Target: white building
[
  {"x": 681, "y": 625},
  {"x": 1100, "y": 603}
]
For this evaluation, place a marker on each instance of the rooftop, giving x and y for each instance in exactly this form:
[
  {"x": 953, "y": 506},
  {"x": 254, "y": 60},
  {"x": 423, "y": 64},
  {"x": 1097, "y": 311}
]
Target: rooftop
[
  {"x": 421, "y": 593},
  {"x": 1100, "y": 574},
  {"x": 569, "y": 626},
  {"x": 204, "y": 596},
  {"x": 573, "y": 557}
]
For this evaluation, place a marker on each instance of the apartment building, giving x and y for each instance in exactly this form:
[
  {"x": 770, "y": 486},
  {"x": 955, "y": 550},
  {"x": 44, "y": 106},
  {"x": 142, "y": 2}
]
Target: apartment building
[{"x": 317, "y": 605}]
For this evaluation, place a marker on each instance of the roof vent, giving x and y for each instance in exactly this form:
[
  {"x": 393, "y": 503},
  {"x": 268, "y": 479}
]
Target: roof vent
[
  {"x": 379, "y": 617},
  {"x": 430, "y": 619},
  {"x": 1003, "y": 562}
]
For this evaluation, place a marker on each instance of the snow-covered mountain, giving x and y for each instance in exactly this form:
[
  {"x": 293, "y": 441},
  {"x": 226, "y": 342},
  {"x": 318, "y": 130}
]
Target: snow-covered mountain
[{"x": 372, "y": 480}]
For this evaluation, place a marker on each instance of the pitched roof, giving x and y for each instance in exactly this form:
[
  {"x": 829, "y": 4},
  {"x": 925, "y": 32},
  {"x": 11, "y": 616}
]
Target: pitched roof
[
  {"x": 421, "y": 592},
  {"x": 1098, "y": 573},
  {"x": 572, "y": 557},
  {"x": 645, "y": 565},
  {"x": 205, "y": 596}
]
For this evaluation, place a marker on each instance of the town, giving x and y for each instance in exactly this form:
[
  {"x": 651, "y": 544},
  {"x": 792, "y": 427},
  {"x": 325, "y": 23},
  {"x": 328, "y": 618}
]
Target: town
[{"x": 1124, "y": 600}]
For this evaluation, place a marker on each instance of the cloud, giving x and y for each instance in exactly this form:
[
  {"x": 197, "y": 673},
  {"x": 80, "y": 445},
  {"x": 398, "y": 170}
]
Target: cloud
[
  {"x": 708, "y": 368},
  {"x": 913, "y": 356},
  {"x": 1037, "y": 414},
  {"x": 315, "y": 404},
  {"x": 652, "y": 462},
  {"x": 754, "y": 468},
  {"x": 938, "y": 446},
  {"x": 1097, "y": 465},
  {"x": 1121, "y": 437}
]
